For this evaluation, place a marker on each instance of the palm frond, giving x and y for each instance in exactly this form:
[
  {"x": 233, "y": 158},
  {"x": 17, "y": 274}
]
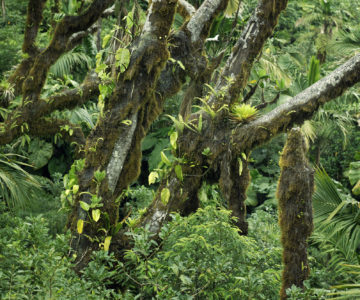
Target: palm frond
[
  {"x": 346, "y": 42},
  {"x": 68, "y": 61},
  {"x": 16, "y": 185},
  {"x": 272, "y": 67},
  {"x": 336, "y": 218}
]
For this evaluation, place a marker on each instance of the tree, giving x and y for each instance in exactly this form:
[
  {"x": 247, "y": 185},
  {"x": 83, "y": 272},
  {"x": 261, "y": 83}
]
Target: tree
[
  {"x": 295, "y": 189},
  {"x": 134, "y": 84}
]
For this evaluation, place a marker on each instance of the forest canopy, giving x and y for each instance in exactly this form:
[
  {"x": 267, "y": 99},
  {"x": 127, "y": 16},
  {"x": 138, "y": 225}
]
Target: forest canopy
[{"x": 177, "y": 149}]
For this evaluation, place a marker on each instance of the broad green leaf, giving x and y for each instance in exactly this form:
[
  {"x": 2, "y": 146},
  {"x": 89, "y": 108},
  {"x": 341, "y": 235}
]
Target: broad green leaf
[
  {"x": 80, "y": 226},
  {"x": 185, "y": 280},
  {"x": 129, "y": 20},
  {"x": 84, "y": 206},
  {"x": 95, "y": 214},
  {"x": 175, "y": 269},
  {"x": 40, "y": 153},
  {"x": 107, "y": 243},
  {"x": 173, "y": 139},
  {"x": 165, "y": 196},
  {"x": 178, "y": 172},
  {"x": 164, "y": 159},
  {"x": 148, "y": 143},
  {"x": 122, "y": 58},
  {"x": 152, "y": 177},
  {"x": 354, "y": 172}
]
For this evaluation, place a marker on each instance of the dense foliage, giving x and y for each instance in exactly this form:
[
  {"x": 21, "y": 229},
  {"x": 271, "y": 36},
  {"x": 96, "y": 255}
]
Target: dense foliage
[{"x": 202, "y": 255}]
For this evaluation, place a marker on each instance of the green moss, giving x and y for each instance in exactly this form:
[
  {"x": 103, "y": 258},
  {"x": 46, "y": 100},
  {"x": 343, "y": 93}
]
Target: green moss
[{"x": 294, "y": 193}]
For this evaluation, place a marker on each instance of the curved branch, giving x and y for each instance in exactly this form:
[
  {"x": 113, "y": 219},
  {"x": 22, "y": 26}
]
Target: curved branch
[
  {"x": 185, "y": 9},
  {"x": 77, "y": 37},
  {"x": 299, "y": 108}
]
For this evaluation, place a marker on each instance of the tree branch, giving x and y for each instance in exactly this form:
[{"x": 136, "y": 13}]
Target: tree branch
[
  {"x": 239, "y": 64},
  {"x": 299, "y": 108},
  {"x": 65, "y": 29},
  {"x": 201, "y": 21},
  {"x": 34, "y": 18},
  {"x": 185, "y": 9}
]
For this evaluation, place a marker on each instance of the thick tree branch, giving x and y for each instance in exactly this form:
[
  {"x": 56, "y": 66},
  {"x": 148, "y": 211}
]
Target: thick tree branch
[
  {"x": 121, "y": 126},
  {"x": 66, "y": 99},
  {"x": 259, "y": 28},
  {"x": 299, "y": 108},
  {"x": 201, "y": 21},
  {"x": 34, "y": 18},
  {"x": 42, "y": 127},
  {"x": 70, "y": 98},
  {"x": 65, "y": 29},
  {"x": 77, "y": 37},
  {"x": 49, "y": 127},
  {"x": 185, "y": 9}
]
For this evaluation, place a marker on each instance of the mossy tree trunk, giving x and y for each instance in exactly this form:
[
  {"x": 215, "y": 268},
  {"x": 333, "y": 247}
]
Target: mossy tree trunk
[{"x": 295, "y": 189}]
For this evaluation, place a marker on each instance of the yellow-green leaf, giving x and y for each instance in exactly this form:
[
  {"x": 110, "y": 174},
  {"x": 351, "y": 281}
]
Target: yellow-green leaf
[
  {"x": 122, "y": 56},
  {"x": 240, "y": 166},
  {"x": 173, "y": 139},
  {"x": 179, "y": 173},
  {"x": 75, "y": 188},
  {"x": 107, "y": 243},
  {"x": 152, "y": 177},
  {"x": 80, "y": 226},
  {"x": 165, "y": 196},
  {"x": 95, "y": 214},
  {"x": 106, "y": 40},
  {"x": 356, "y": 189},
  {"x": 84, "y": 206},
  {"x": 164, "y": 159},
  {"x": 127, "y": 122}
]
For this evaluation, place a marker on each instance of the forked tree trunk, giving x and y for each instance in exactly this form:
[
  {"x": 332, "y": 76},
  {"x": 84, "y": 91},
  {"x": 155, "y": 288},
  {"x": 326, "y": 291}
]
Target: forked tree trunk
[{"x": 295, "y": 189}]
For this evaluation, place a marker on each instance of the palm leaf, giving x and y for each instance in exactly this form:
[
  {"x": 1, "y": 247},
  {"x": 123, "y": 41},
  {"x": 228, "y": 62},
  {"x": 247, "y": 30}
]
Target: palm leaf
[
  {"x": 16, "y": 185},
  {"x": 336, "y": 218},
  {"x": 68, "y": 61}
]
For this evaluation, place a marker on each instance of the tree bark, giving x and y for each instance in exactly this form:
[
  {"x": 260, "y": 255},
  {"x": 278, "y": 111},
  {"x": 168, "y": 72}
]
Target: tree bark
[{"x": 295, "y": 189}]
